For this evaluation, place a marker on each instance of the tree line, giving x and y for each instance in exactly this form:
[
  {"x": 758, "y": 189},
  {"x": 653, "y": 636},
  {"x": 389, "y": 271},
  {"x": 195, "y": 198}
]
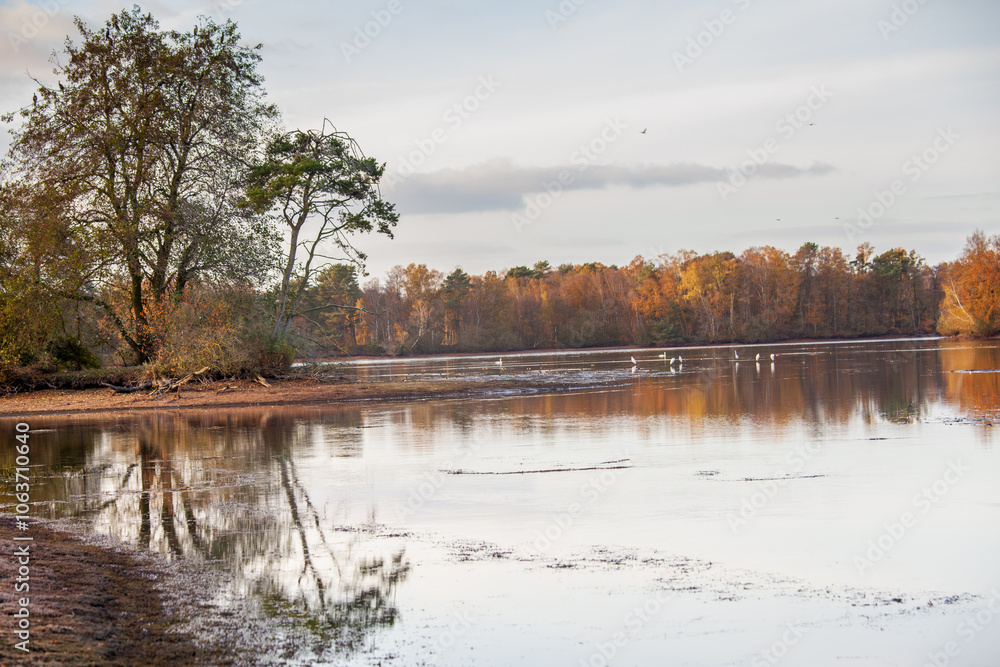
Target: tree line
[{"x": 762, "y": 294}]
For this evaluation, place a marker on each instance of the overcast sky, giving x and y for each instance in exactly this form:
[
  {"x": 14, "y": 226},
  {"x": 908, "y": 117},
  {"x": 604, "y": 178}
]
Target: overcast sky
[{"x": 513, "y": 131}]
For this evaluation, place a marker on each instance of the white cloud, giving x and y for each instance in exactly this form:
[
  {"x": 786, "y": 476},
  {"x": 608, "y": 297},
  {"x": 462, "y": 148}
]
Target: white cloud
[{"x": 499, "y": 184}]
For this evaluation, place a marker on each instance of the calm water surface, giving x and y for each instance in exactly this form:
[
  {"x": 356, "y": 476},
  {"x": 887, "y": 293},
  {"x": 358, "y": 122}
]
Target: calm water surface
[{"x": 804, "y": 510}]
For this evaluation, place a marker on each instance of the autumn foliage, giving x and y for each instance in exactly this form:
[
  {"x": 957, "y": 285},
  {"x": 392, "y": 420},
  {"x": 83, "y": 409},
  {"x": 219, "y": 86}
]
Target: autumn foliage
[
  {"x": 972, "y": 289},
  {"x": 762, "y": 294}
]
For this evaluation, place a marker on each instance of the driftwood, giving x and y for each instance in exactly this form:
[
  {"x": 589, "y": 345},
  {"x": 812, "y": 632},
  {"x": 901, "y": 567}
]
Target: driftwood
[
  {"x": 780, "y": 479},
  {"x": 169, "y": 385},
  {"x": 128, "y": 390},
  {"x": 162, "y": 385},
  {"x": 600, "y": 466}
]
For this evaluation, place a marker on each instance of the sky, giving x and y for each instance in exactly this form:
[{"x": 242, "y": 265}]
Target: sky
[{"x": 585, "y": 130}]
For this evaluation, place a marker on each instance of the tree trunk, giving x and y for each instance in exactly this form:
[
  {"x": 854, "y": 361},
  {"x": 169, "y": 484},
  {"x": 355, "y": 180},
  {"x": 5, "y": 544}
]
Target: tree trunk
[
  {"x": 286, "y": 279},
  {"x": 141, "y": 342}
]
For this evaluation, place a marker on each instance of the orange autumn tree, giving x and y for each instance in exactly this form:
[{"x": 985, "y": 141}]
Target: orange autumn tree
[
  {"x": 972, "y": 289},
  {"x": 763, "y": 294},
  {"x": 710, "y": 284},
  {"x": 770, "y": 286}
]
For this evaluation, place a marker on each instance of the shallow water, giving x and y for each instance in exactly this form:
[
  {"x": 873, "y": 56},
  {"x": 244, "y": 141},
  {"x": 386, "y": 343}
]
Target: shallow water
[{"x": 804, "y": 511}]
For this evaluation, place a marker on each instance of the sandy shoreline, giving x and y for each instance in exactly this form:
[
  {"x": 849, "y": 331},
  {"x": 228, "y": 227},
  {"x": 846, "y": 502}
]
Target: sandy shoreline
[
  {"x": 246, "y": 393},
  {"x": 88, "y": 604}
]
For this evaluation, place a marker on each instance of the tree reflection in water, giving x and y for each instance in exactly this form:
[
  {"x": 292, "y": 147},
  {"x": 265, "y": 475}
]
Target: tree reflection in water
[{"x": 225, "y": 489}]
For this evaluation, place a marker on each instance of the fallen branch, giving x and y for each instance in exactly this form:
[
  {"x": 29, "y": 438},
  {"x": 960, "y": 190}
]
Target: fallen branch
[
  {"x": 780, "y": 479},
  {"x": 170, "y": 385},
  {"x": 531, "y": 472},
  {"x": 128, "y": 390}
]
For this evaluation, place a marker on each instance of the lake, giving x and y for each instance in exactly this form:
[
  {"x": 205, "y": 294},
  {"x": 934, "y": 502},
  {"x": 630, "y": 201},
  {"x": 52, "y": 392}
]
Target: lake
[{"x": 839, "y": 505}]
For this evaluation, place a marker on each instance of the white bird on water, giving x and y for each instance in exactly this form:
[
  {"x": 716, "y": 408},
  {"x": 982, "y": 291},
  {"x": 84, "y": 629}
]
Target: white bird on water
[
  {"x": 662, "y": 355},
  {"x": 757, "y": 358},
  {"x": 672, "y": 360},
  {"x": 736, "y": 353},
  {"x": 680, "y": 359},
  {"x": 772, "y": 357},
  {"x": 499, "y": 362},
  {"x": 634, "y": 362}
]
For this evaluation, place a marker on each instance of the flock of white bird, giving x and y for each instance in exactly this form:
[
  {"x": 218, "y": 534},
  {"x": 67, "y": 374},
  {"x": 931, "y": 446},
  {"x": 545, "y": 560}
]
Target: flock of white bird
[{"x": 678, "y": 359}]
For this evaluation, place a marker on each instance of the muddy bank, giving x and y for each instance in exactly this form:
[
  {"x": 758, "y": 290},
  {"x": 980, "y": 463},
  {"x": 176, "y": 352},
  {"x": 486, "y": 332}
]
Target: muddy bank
[
  {"x": 246, "y": 393},
  {"x": 88, "y": 605}
]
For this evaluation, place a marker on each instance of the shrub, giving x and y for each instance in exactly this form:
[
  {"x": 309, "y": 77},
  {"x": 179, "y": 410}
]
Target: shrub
[
  {"x": 272, "y": 356},
  {"x": 70, "y": 353},
  {"x": 225, "y": 328}
]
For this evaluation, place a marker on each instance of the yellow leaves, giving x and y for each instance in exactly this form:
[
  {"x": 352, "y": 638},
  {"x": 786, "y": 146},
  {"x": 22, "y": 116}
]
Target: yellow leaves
[{"x": 972, "y": 289}]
